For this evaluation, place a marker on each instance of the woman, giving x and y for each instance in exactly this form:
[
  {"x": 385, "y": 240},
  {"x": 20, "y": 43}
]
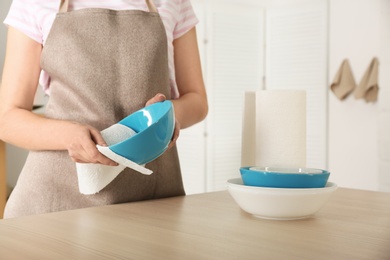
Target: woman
[{"x": 99, "y": 62}]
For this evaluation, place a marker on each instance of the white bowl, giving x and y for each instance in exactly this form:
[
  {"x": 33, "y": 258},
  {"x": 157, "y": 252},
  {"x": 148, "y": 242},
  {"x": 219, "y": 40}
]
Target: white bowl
[{"x": 279, "y": 203}]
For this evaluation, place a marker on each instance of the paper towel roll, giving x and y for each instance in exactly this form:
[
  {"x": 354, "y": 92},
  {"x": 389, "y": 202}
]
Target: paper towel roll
[
  {"x": 92, "y": 178},
  {"x": 280, "y": 128},
  {"x": 248, "y": 148}
]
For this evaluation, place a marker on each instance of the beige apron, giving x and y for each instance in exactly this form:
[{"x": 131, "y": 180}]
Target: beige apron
[{"x": 103, "y": 65}]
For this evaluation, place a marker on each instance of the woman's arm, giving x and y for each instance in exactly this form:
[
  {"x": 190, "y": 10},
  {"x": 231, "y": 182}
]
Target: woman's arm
[
  {"x": 20, "y": 126},
  {"x": 191, "y": 107}
]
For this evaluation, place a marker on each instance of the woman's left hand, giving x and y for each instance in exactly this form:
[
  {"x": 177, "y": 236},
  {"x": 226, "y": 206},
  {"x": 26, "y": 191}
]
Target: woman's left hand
[{"x": 160, "y": 98}]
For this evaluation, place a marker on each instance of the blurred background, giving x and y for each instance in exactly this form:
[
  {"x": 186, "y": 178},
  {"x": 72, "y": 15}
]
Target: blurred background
[{"x": 249, "y": 45}]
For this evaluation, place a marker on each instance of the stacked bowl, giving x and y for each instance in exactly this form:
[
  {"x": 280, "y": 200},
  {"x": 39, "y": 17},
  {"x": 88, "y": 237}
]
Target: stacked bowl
[{"x": 281, "y": 193}]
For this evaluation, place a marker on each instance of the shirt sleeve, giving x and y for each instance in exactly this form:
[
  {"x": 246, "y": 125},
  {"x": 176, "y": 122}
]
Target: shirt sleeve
[
  {"x": 22, "y": 16},
  {"x": 186, "y": 20}
]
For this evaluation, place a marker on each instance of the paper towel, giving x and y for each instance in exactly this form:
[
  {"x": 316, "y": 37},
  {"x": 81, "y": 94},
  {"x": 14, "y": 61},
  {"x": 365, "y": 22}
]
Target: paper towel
[
  {"x": 275, "y": 122},
  {"x": 92, "y": 178},
  {"x": 248, "y": 149}
]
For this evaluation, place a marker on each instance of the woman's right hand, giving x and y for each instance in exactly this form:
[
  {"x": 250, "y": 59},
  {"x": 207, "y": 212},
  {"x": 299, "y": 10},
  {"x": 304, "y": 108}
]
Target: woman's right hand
[{"x": 82, "y": 145}]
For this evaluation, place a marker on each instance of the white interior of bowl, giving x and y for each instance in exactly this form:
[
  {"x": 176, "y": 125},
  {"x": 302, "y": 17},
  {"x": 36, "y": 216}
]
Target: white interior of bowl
[{"x": 286, "y": 170}]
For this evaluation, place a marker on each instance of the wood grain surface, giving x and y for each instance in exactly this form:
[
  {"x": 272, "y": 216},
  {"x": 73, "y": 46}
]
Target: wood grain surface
[{"x": 354, "y": 224}]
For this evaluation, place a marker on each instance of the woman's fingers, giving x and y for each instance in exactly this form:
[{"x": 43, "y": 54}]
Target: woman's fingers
[
  {"x": 97, "y": 137},
  {"x": 157, "y": 98},
  {"x": 82, "y": 148},
  {"x": 175, "y": 135}
]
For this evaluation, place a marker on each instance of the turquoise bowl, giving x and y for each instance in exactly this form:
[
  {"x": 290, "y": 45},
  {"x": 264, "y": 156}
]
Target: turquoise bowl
[
  {"x": 154, "y": 126},
  {"x": 276, "y": 177}
]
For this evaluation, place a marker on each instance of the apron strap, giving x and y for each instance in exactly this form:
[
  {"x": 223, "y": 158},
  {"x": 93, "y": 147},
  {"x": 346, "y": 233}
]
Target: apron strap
[
  {"x": 152, "y": 8},
  {"x": 63, "y": 6},
  {"x": 65, "y": 3}
]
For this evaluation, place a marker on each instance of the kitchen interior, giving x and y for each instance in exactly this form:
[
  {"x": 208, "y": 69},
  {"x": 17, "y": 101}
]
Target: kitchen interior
[{"x": 252, "y": 45}]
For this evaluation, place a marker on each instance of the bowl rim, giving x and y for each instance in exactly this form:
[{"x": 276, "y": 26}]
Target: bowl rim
[
  {"x": 278, "y": 170},
  {"x": 238, "y": 183},
  {"x": 166, "y": 104}
]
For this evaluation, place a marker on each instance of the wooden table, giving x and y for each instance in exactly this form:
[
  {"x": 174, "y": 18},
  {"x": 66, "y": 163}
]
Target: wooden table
[
  {"x": 3, "y": 182},
  {"x": 354, "y": 224}
]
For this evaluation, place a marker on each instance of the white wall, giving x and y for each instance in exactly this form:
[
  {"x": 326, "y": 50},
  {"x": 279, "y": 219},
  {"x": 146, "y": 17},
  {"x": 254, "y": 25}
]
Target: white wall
[
  {"x": 4, "y": 6},
  {"x": 359, "y": 132}
]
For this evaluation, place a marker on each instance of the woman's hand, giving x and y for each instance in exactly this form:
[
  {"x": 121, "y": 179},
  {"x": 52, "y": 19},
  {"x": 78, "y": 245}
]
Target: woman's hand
[
  {"x": 175, "y": 135},
  {"x": 82, "y": 145},
  {"x": 157, "y": 98},
  {"x": 160, "y": 98}
]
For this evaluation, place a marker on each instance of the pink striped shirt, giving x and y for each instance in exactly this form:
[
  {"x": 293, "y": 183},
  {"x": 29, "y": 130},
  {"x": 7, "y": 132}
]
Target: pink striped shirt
[{"x": 35, "y": 18}]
